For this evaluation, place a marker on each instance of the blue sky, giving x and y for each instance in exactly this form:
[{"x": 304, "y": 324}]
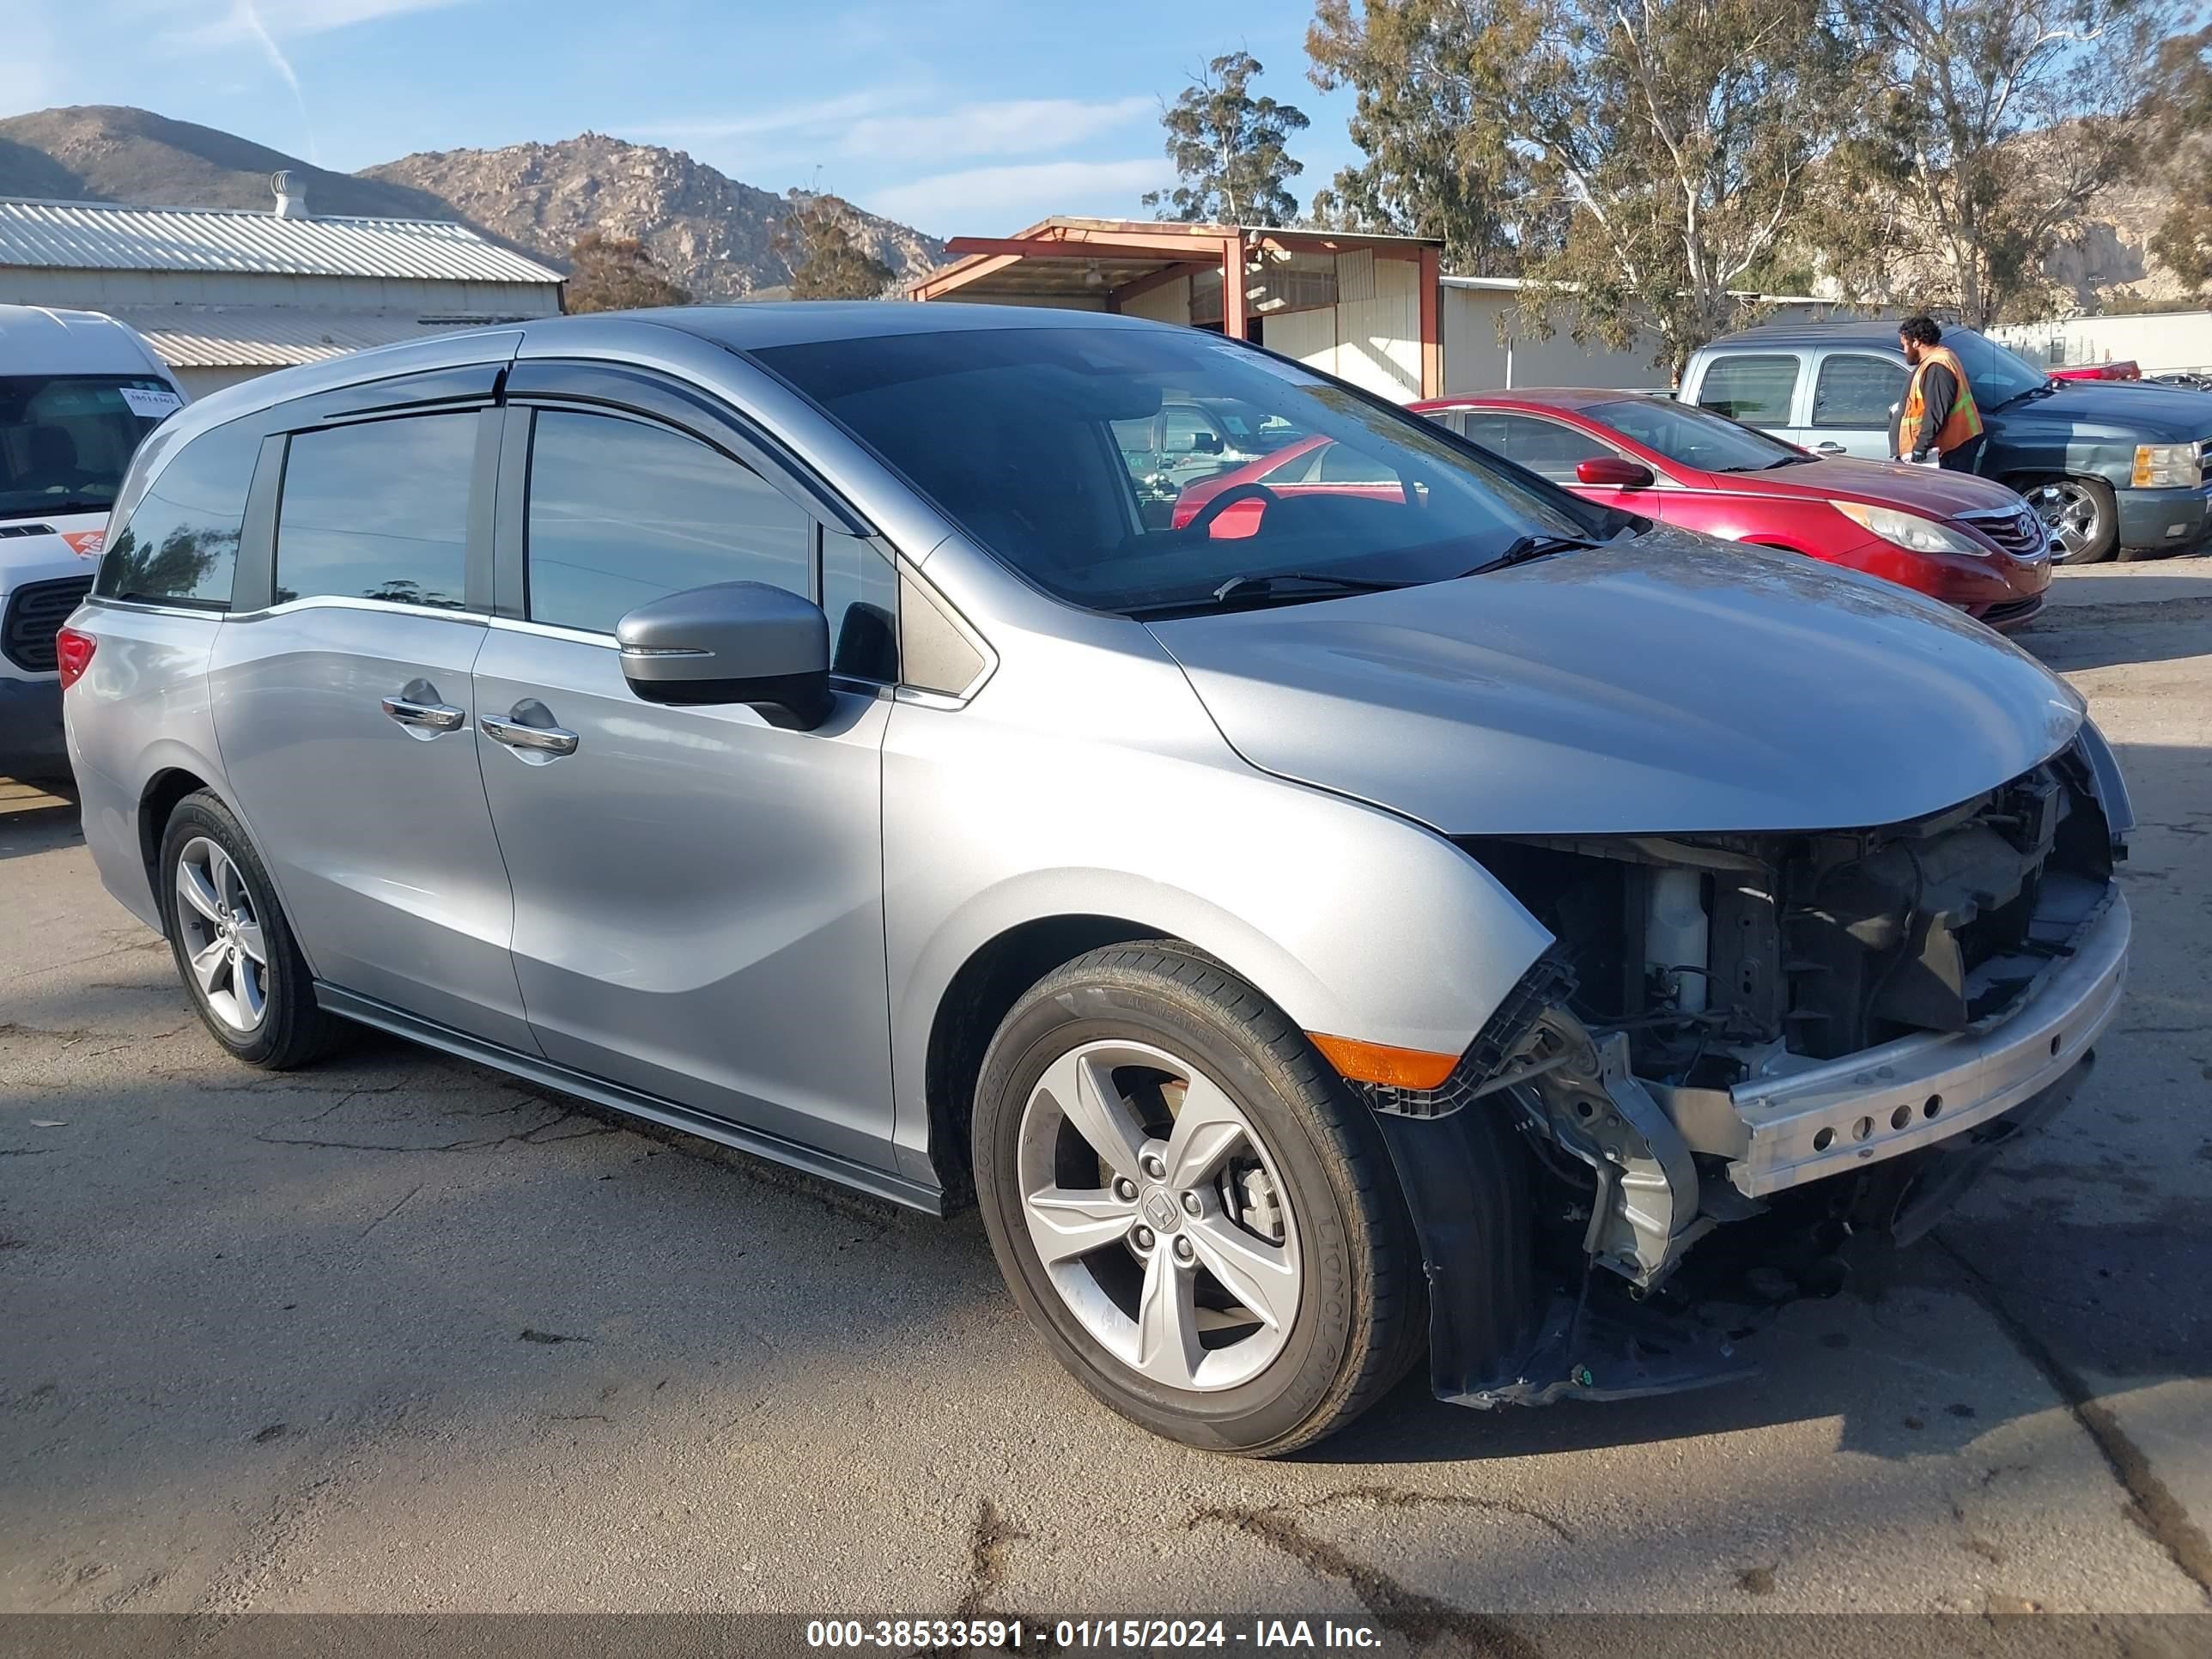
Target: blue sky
[{"x": 958, "y": 115}]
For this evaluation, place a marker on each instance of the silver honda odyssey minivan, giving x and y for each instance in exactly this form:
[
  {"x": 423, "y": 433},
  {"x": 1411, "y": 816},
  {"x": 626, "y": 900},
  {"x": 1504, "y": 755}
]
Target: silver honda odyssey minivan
[{"x": 1409, "y": 912}]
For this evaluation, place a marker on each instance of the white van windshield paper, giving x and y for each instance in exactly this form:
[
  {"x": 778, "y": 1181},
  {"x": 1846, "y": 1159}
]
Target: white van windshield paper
[{"x": 149, "y": 404}]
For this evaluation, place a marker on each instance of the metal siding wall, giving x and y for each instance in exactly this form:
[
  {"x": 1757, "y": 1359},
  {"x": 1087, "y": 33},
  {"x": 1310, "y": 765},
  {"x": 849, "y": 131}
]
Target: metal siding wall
[
  {"x": 1379, "y": 340},
  {"x": 1475, "y": 361},
  {"x": 1560, "y": 362},
  {"x": 1307, "y": 335},
  {"x": 1168, "y": 303}
]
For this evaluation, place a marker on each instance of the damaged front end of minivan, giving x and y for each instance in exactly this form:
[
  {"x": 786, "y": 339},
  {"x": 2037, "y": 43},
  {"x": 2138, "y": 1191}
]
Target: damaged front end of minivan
[{"x": 1743, "y": 1054}]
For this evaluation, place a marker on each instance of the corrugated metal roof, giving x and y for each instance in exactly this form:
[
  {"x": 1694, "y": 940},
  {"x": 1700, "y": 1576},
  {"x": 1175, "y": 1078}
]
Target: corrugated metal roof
[
  {"x": 93, "y": 236},
  {"x": 275, "y": 336}
]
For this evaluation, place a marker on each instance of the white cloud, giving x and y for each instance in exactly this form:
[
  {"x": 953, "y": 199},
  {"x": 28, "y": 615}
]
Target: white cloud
[
  {"x": 996, "y": 201},
  {"x": 1013, "y": 127},
  {"x": 251, "y": 20},
  {"x": 866, "y": 125},
  {"x": 812, "y": 115},
  {"x": 230, "y": 24},
  {"x": 299, "y": 17}
]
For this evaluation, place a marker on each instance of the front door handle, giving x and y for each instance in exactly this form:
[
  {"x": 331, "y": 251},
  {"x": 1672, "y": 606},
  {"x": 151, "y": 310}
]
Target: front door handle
[
  {"x": 547, "y": 740},
  {"x": 426, "y": 716},
  {"x": 1828, "y": 448}
]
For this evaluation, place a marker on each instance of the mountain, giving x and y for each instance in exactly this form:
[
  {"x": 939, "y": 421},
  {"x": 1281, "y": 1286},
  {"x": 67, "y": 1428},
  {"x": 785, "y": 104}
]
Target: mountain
[
  {"x": 710, "y": 234},
  {"x": 108, "y": 153}
]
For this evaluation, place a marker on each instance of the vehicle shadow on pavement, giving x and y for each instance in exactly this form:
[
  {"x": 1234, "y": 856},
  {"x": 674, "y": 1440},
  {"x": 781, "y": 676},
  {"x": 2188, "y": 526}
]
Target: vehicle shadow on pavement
[
  {"x": 37, "y": 817},
  {"x": 2096, "y": 634}
]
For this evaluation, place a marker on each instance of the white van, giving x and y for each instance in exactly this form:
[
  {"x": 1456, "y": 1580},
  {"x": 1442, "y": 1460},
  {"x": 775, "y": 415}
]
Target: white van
[{"x": 78, "y": 392}]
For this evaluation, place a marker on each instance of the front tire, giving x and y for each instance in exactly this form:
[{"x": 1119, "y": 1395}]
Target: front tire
[
  {"x": 1186, "y": 1200},
  {"x": 235, "y": 950},
  {"x": 2083, "y": 515}
]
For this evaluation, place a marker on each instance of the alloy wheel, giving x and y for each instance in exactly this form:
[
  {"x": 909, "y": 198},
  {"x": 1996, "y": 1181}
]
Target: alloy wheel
[
  {"x": 1159, "y": 1215},
  {"x": 222, "y": 933},
  {"x": 2070, "y": 512}
]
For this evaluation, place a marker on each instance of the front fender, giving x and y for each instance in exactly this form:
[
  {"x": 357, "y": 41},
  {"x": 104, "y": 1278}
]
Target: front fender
[{"x": 1355, "y": 921}]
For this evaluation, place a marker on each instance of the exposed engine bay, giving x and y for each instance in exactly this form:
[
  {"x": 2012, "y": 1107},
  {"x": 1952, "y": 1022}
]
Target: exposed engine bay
[{"x": 1738, "y": 1026}]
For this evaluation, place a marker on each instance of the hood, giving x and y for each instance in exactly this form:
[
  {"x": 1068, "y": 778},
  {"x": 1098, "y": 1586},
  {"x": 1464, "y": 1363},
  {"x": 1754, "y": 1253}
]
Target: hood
[
  {"x": 1923, "y": 489},
  {"x": 1666, "y": 684},
  {"x": 2155, "y": 413},
  {"x": 36, "y": 546}
]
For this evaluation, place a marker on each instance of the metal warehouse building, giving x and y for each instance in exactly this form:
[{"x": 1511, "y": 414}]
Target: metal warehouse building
[
  {"x": 225, "y": 295},
  {"x": 1377, "y": 311},
  {"x": 1366, "y": 308}
]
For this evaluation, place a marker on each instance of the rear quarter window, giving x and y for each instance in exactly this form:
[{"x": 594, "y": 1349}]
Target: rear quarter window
[
  {"x": 180, "y": 544},
  {"x": 378, "y": 511},
  {"x": 1753, "y": 387}
]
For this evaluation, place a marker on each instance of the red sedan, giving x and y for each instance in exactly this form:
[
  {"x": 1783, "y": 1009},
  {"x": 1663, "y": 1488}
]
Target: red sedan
[{"x": 1968, "y": 541}]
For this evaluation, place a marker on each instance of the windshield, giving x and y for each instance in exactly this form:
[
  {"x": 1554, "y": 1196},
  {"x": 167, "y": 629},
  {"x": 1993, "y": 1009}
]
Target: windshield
[
  {"x": 1695, "y": 437},
  {"x": 1996, "y": 375},
  {"x": 1036, "y": 440},
  {"x": 66, "y": 440}
]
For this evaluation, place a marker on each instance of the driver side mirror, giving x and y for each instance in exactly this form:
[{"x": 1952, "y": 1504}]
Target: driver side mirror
[
  {"x": 733, "y": 642},
  {"x": 1613, "y": 471}
]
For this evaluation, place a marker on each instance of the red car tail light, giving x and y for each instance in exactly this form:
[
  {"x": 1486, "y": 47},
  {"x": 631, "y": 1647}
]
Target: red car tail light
[{"x": 73, "y": 655}]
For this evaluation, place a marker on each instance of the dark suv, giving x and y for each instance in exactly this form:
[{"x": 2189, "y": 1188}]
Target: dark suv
[{"x": 2112, "y": 466}]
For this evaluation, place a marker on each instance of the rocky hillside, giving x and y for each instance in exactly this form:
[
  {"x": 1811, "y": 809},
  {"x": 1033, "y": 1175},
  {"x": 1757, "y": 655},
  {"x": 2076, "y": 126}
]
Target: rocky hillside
[
  {"x": 110, "y": 153},
  {"x": 711, "y": 234}
]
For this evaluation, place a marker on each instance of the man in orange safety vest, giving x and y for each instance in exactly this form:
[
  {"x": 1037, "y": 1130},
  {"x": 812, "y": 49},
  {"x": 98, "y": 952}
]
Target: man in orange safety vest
[{"x": 1939, "y": 418}]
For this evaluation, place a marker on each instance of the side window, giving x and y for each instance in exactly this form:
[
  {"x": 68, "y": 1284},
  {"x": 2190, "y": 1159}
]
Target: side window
[
  {"x": 1300, "y": 469},
  {"x": 1486, "y": 429},
  {"x": 1856, "y": 392},
  {"x": 1340, "y": 464},
  {"x": 378, "y": 511},
  {"x": 1751, "y": 387},
  {"x": 1548, "y": 450},
  {"x": 860, "y": 592},
  {"x": 1185, "y": 430},
  {"x": 621, "y": 512},
  {"x": 180, "y": 546}
]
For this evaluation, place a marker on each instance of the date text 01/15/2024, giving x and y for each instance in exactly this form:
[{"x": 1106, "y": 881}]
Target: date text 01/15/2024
[{"x": 1068, "y": 1635}]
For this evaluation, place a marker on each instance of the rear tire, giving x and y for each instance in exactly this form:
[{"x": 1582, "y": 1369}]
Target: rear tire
[
  {"x": 234, "y": 949},
  {"x": 1273, "y": 1210}
]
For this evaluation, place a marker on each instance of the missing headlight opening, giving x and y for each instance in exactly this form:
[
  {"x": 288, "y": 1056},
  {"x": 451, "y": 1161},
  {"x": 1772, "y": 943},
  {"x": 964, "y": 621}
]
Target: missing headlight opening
[{"x": 1688, "y": 1053}]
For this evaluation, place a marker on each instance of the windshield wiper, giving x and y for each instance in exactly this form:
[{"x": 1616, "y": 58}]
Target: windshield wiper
[
  {"x": 1264, "y": 587},
  {"x": 2044, "y": 390},
  {"x": 1521, "y": 548},
  {"x": 1277, "y": 586}
]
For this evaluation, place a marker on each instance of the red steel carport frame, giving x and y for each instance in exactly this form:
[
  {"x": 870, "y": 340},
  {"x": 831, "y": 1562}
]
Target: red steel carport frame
[{"x": 1151, "y": 255}]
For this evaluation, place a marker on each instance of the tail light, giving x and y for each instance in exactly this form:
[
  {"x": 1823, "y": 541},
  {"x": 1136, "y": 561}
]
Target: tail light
[{"x": 73, "y": 655}]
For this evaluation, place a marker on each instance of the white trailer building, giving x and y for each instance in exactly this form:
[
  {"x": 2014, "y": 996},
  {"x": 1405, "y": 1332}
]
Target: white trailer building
[{"x": 2156, "y": 341}]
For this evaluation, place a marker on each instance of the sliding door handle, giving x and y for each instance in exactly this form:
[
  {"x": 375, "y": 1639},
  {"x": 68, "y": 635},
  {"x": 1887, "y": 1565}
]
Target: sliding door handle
[
  {"x": 425, "y": 716},
  {"x": 534, "y": 740}
]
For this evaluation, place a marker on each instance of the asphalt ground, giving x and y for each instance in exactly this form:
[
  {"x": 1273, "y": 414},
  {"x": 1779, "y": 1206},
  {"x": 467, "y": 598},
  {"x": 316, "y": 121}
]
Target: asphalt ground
[{"x": 397, "y": 1334}]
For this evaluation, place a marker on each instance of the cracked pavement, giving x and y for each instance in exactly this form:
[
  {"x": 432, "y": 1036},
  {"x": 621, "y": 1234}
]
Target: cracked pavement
[{"x": 397, "y": 1333}]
